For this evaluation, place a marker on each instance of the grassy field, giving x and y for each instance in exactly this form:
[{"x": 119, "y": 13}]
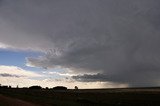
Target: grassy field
[{"x": 88, "y": 97}]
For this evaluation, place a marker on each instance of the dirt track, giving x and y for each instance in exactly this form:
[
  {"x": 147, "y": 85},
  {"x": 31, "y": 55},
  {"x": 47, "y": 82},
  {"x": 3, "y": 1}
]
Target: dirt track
[{"x": 7, "y": 101}]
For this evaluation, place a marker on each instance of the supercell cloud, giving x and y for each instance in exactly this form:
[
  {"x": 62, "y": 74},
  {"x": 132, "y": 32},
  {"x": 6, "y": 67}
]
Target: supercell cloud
[{"x": 108, "y": 40}]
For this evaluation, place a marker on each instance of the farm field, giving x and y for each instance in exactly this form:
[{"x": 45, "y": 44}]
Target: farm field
[
  {"x": 9, "y": 101},
  {"x": 86, "y": 97}
]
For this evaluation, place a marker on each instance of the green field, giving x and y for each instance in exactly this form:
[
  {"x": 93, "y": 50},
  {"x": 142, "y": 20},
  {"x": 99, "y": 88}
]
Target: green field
[{"x": 88, "y": 97}]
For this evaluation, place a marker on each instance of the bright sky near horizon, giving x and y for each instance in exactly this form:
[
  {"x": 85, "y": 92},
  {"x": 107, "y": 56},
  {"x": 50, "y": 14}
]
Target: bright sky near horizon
[{"x": 84, "y": 43}]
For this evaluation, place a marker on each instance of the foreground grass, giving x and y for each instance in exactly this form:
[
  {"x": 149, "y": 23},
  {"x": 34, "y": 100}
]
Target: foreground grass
[{"x": 101, "y": 97}]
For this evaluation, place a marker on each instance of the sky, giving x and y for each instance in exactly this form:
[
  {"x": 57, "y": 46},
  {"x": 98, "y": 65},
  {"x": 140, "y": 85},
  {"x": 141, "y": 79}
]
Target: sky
[{"x": 84, "y": 43}]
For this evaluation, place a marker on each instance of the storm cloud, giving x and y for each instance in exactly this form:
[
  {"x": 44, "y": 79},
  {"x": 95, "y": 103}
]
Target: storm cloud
[{"x": 116, "y": 40}]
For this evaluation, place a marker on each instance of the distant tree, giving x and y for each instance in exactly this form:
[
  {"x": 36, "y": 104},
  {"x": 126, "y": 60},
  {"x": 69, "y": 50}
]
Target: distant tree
[
  {"x": 47, "y": 88},
  {"x": 10, "y": 87},
  {"x": 60, "y": 88},
  {"x": 35, "y": 87},
  {"x": 4, "y": 87},
  {"x": 76, "y": 87}
]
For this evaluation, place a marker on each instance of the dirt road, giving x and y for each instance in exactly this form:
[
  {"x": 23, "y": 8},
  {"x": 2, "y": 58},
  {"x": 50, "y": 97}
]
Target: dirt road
[{"x": 8, "y": 101}]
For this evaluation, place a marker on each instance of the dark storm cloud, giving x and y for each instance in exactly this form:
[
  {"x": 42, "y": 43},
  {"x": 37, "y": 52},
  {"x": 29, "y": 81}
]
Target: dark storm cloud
[
  {"x": 91, "y": 78},
  {"x": 117, "y": 38},
  {"x": 132, "y": 78}
]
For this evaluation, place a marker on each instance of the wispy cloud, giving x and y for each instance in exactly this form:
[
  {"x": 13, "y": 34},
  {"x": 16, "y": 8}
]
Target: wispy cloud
[
  {"x": 3, "y": 46},
  {"x": 9, "y": 75},
  {"x": 14, "y": 71}
]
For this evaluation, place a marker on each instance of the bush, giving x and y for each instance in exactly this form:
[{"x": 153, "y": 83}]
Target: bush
[
  {"x": 60, "y": 88},
  {"x": 35, "y": 87}
]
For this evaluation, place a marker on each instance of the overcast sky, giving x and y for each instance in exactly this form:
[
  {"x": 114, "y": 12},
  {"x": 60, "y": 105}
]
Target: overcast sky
[{"x": 103, "y": 43}]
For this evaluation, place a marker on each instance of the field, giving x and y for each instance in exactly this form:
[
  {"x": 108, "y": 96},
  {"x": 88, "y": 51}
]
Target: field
[{"x": 87, "y": 97}]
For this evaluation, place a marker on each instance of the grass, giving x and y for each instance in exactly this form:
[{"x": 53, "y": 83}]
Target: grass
[
  {"x": 101, "y": 97},
  {"x": 2, "y": 103}
]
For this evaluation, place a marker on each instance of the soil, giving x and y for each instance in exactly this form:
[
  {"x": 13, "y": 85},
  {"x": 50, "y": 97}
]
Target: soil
[{"x": 8, "y": 101}]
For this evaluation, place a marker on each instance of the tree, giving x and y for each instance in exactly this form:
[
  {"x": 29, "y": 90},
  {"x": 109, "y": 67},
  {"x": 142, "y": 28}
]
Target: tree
[
  {"x": 76, "y": 88},
  {"x": 60, "y": 88},
  {"x": 35, "y": 87}
]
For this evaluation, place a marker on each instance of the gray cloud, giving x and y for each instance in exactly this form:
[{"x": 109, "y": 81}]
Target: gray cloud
[
  {"x": 91, "y": 78},
  {"x": 119, "y": 39},
  {"x": 132, "y": 78},
  {"x": 9, "y": 75}
]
